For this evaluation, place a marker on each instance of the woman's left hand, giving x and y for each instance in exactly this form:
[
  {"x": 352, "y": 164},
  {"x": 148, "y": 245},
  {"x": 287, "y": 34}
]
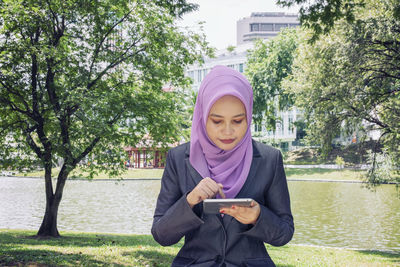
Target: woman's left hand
[{"x": 245, "y": 215}]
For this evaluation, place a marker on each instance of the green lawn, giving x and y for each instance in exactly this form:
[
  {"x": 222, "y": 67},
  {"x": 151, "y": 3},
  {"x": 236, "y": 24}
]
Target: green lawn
[
  {"x": 292, "y": 173},
  {"x": 20, "y": 248},
  {"x": 129, "y": 174},
  {"x": 324, "y": 174}
]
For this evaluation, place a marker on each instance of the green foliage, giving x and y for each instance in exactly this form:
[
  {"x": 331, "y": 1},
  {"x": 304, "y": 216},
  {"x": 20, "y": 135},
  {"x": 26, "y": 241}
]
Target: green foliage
[
  {"x": 320, "y": 15},
  {"x": 186, "y": 113},
  {"x": 350, "y": 80},
  {"x": 267, "y": 65},
  {"x": 231, "y": 48},
  {"x": 79, "y": 80},
  {"x": 82, "y": 79},
  {"x": 380, "y": 168},
  {"x": 339, "y": 161}
]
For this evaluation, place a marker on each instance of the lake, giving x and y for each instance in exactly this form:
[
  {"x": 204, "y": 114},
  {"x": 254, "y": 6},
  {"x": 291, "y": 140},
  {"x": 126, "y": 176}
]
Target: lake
[{"x": 330, "y": 214}]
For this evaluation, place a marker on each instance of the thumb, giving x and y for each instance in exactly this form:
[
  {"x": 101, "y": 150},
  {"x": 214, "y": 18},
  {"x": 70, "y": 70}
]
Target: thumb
[
  {"x": 253, "y": 203},
  {"x": 220, "y": 190}
]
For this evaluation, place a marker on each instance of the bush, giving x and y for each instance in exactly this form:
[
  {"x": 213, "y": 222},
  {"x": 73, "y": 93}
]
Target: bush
[{"x": 339, "y": 161}]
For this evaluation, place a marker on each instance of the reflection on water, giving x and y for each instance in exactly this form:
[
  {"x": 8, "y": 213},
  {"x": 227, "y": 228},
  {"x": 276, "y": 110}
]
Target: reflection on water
[
  {"x": 98, "y": 206},
  {"x": 346, "y": 215},
  {"x": 327, "y": 214}
]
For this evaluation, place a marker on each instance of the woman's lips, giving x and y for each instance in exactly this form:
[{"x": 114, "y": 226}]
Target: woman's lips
[{"x": 227, "y": 141}]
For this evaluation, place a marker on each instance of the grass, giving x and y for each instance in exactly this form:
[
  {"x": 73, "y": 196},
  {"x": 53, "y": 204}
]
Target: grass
[
  {"x": 82, "y": 249},
  {"x": 292, "y": 173},
  {"x": 324, "y": 174},
  {"x": 21, "y": 248},
  {"x": 129, "y": 174}
]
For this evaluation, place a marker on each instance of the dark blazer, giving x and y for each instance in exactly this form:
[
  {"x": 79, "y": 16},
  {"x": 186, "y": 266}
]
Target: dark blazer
[{"x": 213, "y": 240}]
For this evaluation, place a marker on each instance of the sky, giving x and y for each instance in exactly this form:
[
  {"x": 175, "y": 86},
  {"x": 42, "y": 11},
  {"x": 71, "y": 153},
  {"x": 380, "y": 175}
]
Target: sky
[{"x": 220, "y": 17}]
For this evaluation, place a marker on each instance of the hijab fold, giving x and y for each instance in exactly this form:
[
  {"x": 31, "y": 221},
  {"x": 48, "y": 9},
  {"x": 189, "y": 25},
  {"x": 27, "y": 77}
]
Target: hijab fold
[{"x": 228, "y": 167}]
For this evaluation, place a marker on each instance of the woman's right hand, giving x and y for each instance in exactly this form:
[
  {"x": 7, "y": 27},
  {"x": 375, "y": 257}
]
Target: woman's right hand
[{"x": 207, "y": 188}]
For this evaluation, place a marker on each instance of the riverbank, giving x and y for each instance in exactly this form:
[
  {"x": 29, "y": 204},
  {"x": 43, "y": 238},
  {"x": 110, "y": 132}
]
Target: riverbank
[
  {"x": 349, "y": 175},
  {"x": 20, "y": 248}
]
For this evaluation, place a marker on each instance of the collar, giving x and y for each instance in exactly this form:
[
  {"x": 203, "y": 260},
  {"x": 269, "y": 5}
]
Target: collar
[{"x": 256, "y": 152}]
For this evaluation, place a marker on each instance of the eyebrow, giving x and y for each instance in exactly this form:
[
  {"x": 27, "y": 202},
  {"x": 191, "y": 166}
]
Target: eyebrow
[{"x": 219, "y": 116}]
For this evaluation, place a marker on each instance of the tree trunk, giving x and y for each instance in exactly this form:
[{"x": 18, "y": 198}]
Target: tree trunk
[{"x": 49, "y": 224}]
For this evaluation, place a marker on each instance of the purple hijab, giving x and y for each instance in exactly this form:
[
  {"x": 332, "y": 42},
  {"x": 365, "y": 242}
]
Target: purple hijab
[{"x": 229, "y": 167}]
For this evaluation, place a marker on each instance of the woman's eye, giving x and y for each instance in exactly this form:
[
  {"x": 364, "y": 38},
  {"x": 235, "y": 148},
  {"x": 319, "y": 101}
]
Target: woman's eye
[
  {"x": 216, "y": 122},
  {"x": 238, "y": 121}
]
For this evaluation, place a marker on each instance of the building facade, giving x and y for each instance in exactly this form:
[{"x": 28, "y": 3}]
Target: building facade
[
  {"x": 264, "y": 25},
  {"x": 234, "y": 58}
]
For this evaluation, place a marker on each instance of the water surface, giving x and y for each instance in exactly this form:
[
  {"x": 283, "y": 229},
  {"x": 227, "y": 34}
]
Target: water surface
[{"x": 326, "y": 214}]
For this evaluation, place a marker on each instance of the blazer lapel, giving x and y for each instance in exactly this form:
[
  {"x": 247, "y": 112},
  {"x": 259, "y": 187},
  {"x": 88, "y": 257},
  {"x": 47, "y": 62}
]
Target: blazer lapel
[
  {"x": 253, "y": 169},
  {"x": 255, "y": 163},
  {"x": 242, "y": 193},
  {"x": 196, "y": 177}
]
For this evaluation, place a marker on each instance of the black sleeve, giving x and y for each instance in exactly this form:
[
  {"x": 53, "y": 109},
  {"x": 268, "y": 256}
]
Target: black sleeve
[
  {"x": 275, "y": 223},
  {"x": 173, "y": 217}
]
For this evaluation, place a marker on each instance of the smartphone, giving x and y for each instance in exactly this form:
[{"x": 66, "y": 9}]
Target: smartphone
[{"x": 212, "y": 206}]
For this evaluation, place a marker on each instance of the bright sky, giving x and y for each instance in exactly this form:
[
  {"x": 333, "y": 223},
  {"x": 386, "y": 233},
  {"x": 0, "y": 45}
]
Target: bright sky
[{"x": 220, "y": 17}]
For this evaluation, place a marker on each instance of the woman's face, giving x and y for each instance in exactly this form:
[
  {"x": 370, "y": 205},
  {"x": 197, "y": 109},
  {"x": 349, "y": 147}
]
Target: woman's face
[{"x": 226, "y": 123}]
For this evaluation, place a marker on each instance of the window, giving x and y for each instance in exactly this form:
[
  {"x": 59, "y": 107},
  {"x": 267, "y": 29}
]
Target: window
[
  {"x": 284, "y": 146},
  {"x": 267, "y": 27},
  {"x": 254, "y": 27},
  {"x": 291, "y": 126},
  {"x": 241, "y": 67},
  {"x": 293, "y": 25},
  {"x": 278, "y": 27},
  {"x": 279, "y": 129},
  {"x": 191, "y": 74}
]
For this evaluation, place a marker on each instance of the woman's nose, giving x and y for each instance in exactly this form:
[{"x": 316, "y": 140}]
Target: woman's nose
[{"x": 227, "y": 130}]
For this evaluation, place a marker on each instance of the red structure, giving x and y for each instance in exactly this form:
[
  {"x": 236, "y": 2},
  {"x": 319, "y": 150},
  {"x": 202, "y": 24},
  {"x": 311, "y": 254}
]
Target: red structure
[{"x": 145, "y": 157}]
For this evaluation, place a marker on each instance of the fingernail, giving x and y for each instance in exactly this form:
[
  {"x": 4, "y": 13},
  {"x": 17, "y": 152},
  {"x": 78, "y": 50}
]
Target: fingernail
[
  {"x": 222, "y": 211},
  {"x": 233, "y": 207}
]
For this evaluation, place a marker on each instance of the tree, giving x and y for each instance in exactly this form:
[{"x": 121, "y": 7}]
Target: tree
[
  {"x": 81, "y": 79},
  {"x": 267, "y": 65},
  {"x": 320, "y": 15},
  {"x": 351, "y": 79},
  {"x": 231, "y": 48}
]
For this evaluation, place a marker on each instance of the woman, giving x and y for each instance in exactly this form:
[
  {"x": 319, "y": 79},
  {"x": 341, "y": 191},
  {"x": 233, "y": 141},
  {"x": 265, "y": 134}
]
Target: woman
[{"x": 222, "y": 160}]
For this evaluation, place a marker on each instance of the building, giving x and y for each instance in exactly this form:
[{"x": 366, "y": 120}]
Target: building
[
  {"x": 264, "y": 25},
  {"x": 234, "y": 57},
  {"x": 259, "y": 25},
  {"x": 144, "y": 157},
  {"x": 147, "y": 154}
]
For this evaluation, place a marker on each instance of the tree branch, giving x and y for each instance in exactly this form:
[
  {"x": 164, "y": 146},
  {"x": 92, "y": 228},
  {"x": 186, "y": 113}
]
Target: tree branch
[
  {"x": 97, "y": 50},
  {"x": 95, "y": 141},
  {"x": 381, "y": 71},
  {"x": 9, "y": 88},
  {"x": 34, "y": 73},
  {"x": 32, "y": 143},
  {"x": 118, "y": 61},
  {"x": 55, "y": 25}
]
